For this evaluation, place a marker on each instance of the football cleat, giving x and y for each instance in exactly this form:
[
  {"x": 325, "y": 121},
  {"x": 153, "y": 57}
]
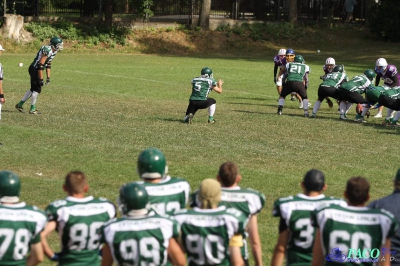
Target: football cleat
[
  {"x": 359, "y": 119},
  {"x": 387, "y": 122},
  {"x": 211, "y": 121},
  {"x": 279, "y": 110},
  {"x": 35, "y": 112},
  {"x": 313, "y": 116},
  {"x": 190, "y": 119},
  {"x": 19, "y": 108},
  {"x": 343, "y": 117},
  {"x": 292, "y": 99},
  {"x": 306, "y": 115},
  {"x": 378, "y": 115},
  {"x": 301, "y": 105}
]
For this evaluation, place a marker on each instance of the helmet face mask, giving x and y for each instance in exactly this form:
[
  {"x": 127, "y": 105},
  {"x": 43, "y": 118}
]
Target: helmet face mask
[
  {"x": 381, "y": 66},
  {"x": 207, "y": 72},
  {"x": 57, "y": 43},
  {"x": 329, "y": 67},
  {"x": 152, "y": 164},
  {"x": 10, "y": 186}
]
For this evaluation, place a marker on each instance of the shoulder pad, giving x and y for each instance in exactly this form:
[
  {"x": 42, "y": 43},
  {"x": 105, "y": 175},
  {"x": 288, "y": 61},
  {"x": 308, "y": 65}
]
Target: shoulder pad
[{"x": 58, "y": 203}]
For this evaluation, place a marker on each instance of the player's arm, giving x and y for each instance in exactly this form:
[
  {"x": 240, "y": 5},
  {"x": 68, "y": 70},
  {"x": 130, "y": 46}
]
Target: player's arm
[
  {"x": 280, "y": 248},
  {"x": 218, "y": 88},
  {"x": 2, "y": 99},
  {"x": 175, "y": 253},
  {"x": 40, "y": 67},
  {"x": 385, "y": 261},
  {"x": 50, "y": 227},
  {"x": 48, "y": 72},
  {"x": 235, "y": 243},
  {"x": 107, "y": 259},
  {"x": 318, "y": 255},
  {"x": 377, "y": 79},
  {"x": 254, "y": 238},
  {"x": 275, "y": 70},
  {"x": 36, "y": 255},
  {"x": 395, "y": 81}
]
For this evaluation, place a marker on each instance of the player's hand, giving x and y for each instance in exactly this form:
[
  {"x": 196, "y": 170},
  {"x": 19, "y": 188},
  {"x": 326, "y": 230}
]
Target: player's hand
[
  {"x": 41, "y": 83},
  {"x": 56, "y": 257},
  {"x": 47, "y": 80},
  {"x": 220, "y": 82},
  {"x": 321, "y": 77},
  {"x": 2, "y": 100}
]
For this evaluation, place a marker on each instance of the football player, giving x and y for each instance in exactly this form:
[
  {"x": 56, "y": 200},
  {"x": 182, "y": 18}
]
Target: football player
[
  {"x": 328, "y": 67},
  {"x": 279, "y": 61},
  {"x": 296, "y": 234},
  {"x": 42, "y": 61},
  {"x": 77, "y": 219},
  {"x": 351, "y": 91},
  {"x": 168, "y": 194},
  {"x": 209, "y": 226},
  {"x": 389, "y": 74},
  {"x": 349, "y": 231},
  {"x": 385, "y": 96},
  {"x": 20, "y": 225},
  {"x": 329, "y": 88},
  {"x": 248, "y": 201},
  {"x": 199, "y": 99},
  {"x": 289, "y": 57},
  {"x": 2, "y": 99},
  {"x": 140, "y": 236},
  {"x": 297, "y": 72}
]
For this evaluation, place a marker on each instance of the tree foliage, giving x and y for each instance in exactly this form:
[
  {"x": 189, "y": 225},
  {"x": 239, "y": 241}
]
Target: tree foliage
[{"x": 383, "y": 20}]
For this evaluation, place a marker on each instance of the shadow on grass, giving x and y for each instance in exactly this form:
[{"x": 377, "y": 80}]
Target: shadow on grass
[
  {"x": 246, "y": 103},
  {"x": 249, "y": 98},
  {"x": 251, "y": 112}
]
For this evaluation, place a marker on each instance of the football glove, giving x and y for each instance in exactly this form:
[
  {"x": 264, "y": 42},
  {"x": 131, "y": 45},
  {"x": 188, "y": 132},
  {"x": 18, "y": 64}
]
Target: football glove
[
  {"x": 330, "y": 103},
  {"x": 47, "y": 80},
  {"x": 41, "y": 83},
  {"x": 56, "y": 257}
]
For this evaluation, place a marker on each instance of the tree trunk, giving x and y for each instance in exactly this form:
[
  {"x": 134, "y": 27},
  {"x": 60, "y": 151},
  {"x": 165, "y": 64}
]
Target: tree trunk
[
  {"x": 108, "y": 12},
  {"x": 293, "y": 11},
  {"x": 204, "y": 18},
  {"x": 12, "y": 27},
  {"x": 331, "y": 7}
]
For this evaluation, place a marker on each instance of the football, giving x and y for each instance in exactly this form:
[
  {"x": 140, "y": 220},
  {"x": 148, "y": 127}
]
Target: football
[{"x": 359, "y": 108}]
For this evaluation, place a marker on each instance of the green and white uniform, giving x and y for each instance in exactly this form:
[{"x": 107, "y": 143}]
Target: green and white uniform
[
  {"x": 44, "y": 51},
  {"x": 374, "y": 93},
  {"x": 20, "y": 226},
  {"x": 169, "y": 195},
  {"x": 357, "y": 84},
  {"x": 294, "y": 212},
  {"x": 297, "y": 71},
  {"x": 334, "y": 79},
  {"x": 141, "y": 240},
  {"x": 246, "y": 200},
  {"x": 206, "y": 233},
  {"x": 201, "y": 87},
  {"x": 352, "y": 228},
  {"x": 78, "y": 224}
]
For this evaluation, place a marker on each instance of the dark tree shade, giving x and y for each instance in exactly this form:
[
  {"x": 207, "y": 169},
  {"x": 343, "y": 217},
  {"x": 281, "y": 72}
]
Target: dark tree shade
[{"x": 383, "y": 20}]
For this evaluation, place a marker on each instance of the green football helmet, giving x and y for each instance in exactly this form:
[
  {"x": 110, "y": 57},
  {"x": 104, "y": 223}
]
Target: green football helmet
[
  {"x": 299, "y": 59},
  {"x": 132, "y": 196},
  {"x": 152, "y": 164},
  {"x": 207, "y": 72},
  {"x": 57, "y": 43},
  {"x": 338, "y": 68},
  {"x": 370, "y": 74},
  {"x": 10, "y": 187}
]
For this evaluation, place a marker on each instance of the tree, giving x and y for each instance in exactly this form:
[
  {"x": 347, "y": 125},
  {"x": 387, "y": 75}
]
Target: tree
[
  {"x": 293, "y": 11},
  {"x": 204, "y": 18},
  {"x": 382, "y": 19}
]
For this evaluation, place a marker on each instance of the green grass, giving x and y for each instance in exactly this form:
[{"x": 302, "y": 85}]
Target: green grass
[{"x": 101, "y": 110}]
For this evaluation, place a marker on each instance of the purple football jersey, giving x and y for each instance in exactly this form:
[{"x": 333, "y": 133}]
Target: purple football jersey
[
  {"x": 390, "y": 72},
  {"x": 279, "y": 62}
]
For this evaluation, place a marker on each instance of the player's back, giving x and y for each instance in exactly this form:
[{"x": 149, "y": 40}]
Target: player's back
[
  {"x": 20, "y": 226},
  {"x": 357, "y": 84},
  {"x": 393, "y": 93},
  {"x": 296, "y": 71},
  {"x": 43, "y": 51},
  {"x": 206, "y": 233},
  {"x": 78, "y": 223},
  {"x": 334, "y": 79},
  {"x": 201, "y": 87},
  {"x": 356, "y": 228},
  {"x": 141, "y": 240},
  {"x": 169, "y": 195},
  {"x": 296, "y": 212}
]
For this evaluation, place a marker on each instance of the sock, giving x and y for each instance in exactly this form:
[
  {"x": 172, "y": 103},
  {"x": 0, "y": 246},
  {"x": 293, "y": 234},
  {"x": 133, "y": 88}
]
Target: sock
[
  {"x": 211, "y": 110},
  {"x": 348, "y": 107},
  {"x": 305, "y": 105},
  {"x": 0, "y": 109},
  {"x": 25, "y": 98},
  {"x": 380, "y": 112},
  {"x": 211, "y": 118},
  {"x": 33, "y": 107},
  {"x": 389, "y": 113},
  {"x": 281, "y": 101},
  {"x": 317, "y": 104},
  {"x": 397, "y": 117},
  {"x": 364, "y": 111},
  {"x": 342, "y": 108},
  {"x": 35, "y": 95}
]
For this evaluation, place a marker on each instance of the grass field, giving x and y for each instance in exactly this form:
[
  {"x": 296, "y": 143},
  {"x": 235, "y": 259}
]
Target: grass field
[{"x": 101, "y": 110}]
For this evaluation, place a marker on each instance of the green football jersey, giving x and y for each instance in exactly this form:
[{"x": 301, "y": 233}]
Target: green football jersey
[
  {"x": 141, "y": 240},
  {"x": 373, "y": 93},
  {"x": 168, "y": 196},
  {"x": 295, "y": 213},
  {"x": 20, "y": 226},
  {"x": 357, "y": 84},
  {"x": 296, "y": 71},
  {"x": 44, "y": 51},
  {"x": 201, "y": 87},
  {"x": 246, "y": 200},
  {"x": 78, "y": 224},
  {"x": 206, "y": 233},
  {"x": 355, "y": 228},
  {"x": 334, "y": 79}
]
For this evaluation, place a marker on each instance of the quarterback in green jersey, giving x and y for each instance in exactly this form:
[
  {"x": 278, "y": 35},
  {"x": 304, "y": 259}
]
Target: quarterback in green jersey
[
  {"x": 352, "y": 235},
  {"x": 212, "y": 235},
  {"x": 296, "y": 234},
  {"x": 201, "y": 87},
  {"x": 385, "y": 96},
  {"x": 329, "y": 87},
  {"x": 42, "y": 61},
  {"x": 140, "y": 236},
  {"x": 248, "y": 201},
  {"x": 168, "y": 194},
  {"x": 350, "y": 92},
  {"x": 77, "y": 220},
  {"x": 296, "y": 81},
  {"x": 20, "y": 225}
]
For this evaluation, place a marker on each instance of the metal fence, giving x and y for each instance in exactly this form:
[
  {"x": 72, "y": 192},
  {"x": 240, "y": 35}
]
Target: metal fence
[{"x": 234, "y": 9}]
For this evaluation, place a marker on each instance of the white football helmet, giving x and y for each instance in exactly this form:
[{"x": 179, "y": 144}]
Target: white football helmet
[
  {"x": 282, "y": 52},
  {"x": 330, "y": 64},
  {"x": 381, "y": 65}
]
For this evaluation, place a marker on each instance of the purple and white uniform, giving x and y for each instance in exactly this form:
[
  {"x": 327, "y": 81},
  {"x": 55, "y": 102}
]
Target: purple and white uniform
[
  {"x": 281, "y": 63},
  {"x": 390, "y": 72}
]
